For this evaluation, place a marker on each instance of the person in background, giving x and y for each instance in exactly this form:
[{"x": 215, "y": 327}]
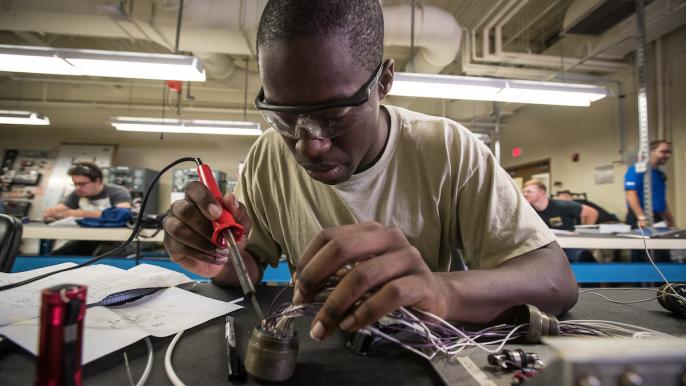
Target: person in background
[
  {"x": 660, "y": 152},
  {"x": 603, "y": 215},
  {"x": 560, "y": 214},
  {"x": 557, "y": 214},
  {"x": 90, "y": 196}
]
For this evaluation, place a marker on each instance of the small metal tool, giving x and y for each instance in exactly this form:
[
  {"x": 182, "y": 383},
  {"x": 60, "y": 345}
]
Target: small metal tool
[
  {"x": 226, "y": 232},
  {"x": 235, "y": 369}
]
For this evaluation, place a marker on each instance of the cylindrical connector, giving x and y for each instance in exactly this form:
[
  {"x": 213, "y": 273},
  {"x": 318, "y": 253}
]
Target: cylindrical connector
[
  {"x": 271, "y": 358},
  {"x": 63, "y": 309}
]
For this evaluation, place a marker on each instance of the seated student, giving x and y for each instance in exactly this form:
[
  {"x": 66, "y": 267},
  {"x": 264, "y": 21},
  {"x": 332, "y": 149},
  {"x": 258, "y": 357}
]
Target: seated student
[
  {"x": 559, "y": 214},
  {"x": 603, "y": 215},
  {"x": 90, "y": 197}
]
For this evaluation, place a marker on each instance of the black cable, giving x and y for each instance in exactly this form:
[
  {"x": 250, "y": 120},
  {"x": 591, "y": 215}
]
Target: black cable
[{"x": 134, "y": 232}]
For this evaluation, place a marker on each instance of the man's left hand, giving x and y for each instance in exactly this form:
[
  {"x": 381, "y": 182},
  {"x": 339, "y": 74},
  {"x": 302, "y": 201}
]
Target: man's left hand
[{"x": 372, "y": 256}]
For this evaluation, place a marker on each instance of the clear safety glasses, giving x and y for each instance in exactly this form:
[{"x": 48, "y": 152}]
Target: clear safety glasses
[{"x": 321, "y": 120}]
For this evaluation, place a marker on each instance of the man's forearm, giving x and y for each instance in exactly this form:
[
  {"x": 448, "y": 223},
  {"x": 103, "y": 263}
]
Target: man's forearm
[
  {"x": 83, "y": 213},
  {"x": 634, "y": 203},
  {"x": 541, "y": 277},
  {"x": 589, "y": 215}
]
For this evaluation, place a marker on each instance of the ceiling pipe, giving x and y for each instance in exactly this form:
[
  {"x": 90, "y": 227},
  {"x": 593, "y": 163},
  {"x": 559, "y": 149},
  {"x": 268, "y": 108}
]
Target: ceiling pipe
[
  {"x": 437, "y": 35},
  {"x": 222, "y": 68},
  {"x": 531, "y": 22},
  {"x": 504, "y": 14},
  {"x": 501, "y": 23},
  {"x": 485, "y": 31}
]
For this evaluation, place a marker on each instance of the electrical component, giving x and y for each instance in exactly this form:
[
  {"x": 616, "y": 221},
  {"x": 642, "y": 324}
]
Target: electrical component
[
  {"x": 269, "y": 357},
  {"x": 63, "y": 309},
  {"x": 614, "y": 362},
  {"x": 671, "y": 297},
  {"x": 136, "y": 181},
  {"x": 515, "y": 359},
  {"x": 539, "y": 323}
]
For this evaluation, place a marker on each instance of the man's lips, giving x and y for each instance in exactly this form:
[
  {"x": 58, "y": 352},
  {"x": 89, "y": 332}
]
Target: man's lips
[
  {"x": 319, "y": 167},
  {"x": 323, "y": 172}
]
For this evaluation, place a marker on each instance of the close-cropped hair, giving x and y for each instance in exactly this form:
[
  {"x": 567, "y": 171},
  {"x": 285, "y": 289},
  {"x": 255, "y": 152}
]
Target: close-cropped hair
[
  {"x": 537, "y": 183},
  {"x": 359, "y": 21}
]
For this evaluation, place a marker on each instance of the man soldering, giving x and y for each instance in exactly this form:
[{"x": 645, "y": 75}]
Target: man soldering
[{"x": 341, "y": 181}]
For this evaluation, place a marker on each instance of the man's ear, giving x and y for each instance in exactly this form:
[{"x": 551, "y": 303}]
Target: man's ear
[{"x": 386, "y": 78}]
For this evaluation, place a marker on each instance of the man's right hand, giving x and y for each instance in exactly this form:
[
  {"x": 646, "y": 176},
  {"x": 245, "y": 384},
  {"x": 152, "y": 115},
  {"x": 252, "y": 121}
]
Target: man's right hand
[
  {"x": 188, "y": 229},
  {"x": 642, "y": 222}
]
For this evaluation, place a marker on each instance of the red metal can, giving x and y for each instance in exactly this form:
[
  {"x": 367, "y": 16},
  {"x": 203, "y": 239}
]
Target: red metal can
[{"x": 63, "y": 309}]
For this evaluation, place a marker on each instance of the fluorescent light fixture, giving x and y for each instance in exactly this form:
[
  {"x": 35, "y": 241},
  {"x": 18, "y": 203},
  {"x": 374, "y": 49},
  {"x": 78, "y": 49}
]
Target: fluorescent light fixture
[
  {"x": 14, "y": 117},
  {"x": 495, "y": 89},
  {"x": 444, "y": 86},
  {"x": 60, "y": 61},
  {"x": 171, "y": 125}
]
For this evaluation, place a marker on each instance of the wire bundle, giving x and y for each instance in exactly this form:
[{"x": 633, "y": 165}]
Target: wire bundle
[{"x": 428, "y": 335}]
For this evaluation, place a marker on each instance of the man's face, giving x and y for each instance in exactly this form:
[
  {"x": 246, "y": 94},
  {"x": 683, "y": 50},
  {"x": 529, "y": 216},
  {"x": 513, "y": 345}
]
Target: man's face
[
  {"x": 660, "y": 155},
  {"x": 308, "y": 71},
  {"x": 84, "y": 187},
  {"x": 532, "y": 193}
]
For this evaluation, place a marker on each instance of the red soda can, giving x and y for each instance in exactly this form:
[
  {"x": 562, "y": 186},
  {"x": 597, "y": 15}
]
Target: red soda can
[{"x": 63, "y": 309}]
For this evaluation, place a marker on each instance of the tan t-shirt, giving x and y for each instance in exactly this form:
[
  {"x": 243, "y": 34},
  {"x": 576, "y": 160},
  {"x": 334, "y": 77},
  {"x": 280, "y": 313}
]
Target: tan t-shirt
[{"x": 435, "y": 181}]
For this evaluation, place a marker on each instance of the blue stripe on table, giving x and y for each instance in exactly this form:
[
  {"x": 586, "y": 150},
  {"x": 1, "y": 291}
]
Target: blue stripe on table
[
  {"x": 584, "y": 272},
  {"x": 279, "y": 275}
]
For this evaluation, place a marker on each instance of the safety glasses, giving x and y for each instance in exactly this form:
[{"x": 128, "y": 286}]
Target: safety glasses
[{"x": 321, "y": 120}]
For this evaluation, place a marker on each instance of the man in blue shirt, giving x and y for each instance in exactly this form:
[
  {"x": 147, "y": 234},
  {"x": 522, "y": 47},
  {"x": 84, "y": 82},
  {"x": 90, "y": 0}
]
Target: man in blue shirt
[{"x": 660, "y": 151}]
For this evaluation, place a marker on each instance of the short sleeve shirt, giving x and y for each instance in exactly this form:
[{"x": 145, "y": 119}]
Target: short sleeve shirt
[
  {"x": 560, "y": 214},
  {"x": 634, "y": 181},
  {"x": 110, "y": 196},
  {"x": 435, "y": 181}
]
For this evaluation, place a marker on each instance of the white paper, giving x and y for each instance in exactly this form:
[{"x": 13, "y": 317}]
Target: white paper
[
  {"x": 108, "y": 329},
  {"x": 23, "y": 302},
  {"x": 68, "y": 221}
]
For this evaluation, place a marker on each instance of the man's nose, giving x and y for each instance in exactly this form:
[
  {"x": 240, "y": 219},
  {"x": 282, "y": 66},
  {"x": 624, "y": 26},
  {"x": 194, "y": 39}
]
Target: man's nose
[
  {"x": 311, "y": 147},
  {"x": 309, "y": 144}
]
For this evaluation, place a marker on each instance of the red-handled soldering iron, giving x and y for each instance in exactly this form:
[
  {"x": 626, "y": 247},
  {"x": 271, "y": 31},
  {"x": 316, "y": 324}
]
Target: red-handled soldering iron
[{"x": 226, "y": 232}]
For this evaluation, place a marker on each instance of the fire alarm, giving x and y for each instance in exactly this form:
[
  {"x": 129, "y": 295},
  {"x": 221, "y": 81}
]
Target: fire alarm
[
  {"x": 516, "y": 152},
  {"x": 575, "y": 157}
]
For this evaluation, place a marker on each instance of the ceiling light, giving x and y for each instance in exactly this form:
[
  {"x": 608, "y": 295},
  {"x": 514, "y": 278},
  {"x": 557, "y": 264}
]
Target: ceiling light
[
  {"x": 495, "y": 89},
  {"x": 170, "y": 125},
  {"x": 59, "y": 61},
  {"x": 13, "y": 117}
]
